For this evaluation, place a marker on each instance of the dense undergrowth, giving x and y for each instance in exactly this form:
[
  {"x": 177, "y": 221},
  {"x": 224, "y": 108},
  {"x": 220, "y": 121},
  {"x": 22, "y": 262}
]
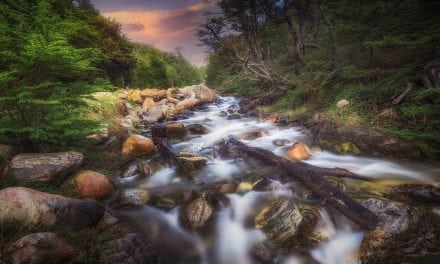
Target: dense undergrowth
[{"x": 365, "y": 52}]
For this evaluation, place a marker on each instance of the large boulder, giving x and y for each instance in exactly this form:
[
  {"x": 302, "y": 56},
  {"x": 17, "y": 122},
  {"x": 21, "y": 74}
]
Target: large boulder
[
  {"x": 40, "y": 248},
  {"x": 155, "y": 94},
  {"x": 129, "y": 249},
  {"x": 205, "y": 94},
  {"x": 403, "y": 230},
  {"x": 148, "y": 104},
  {"x": 186, "y": 104},
  {"x": 89, "y": 184},
  {"x": 49, "y": 168},
  {"x": 24, "y": 208},
  {"x": 137, "y": 145}
]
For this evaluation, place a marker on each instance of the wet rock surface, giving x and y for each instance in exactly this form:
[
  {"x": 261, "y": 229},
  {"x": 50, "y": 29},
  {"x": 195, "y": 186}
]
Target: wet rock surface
[
  {"x": 403, "y": 230},
  {"x": 137, "y": 145}
]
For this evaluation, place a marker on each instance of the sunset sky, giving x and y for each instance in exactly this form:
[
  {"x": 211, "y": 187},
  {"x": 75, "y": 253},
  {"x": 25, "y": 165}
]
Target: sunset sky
[{"x": 165, "y": 24}]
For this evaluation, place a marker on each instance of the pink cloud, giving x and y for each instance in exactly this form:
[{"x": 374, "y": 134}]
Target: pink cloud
[{"x": 166, "y": 29}]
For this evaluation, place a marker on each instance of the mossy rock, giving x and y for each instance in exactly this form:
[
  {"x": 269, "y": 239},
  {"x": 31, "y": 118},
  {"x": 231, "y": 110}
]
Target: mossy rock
[{"x": 347, "y": 147}]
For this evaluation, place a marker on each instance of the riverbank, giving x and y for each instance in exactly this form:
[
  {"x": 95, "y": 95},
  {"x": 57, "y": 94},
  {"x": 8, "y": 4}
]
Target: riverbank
[
  {"x": 342, "y": 133},
  {"x": 215, "y": 203}
]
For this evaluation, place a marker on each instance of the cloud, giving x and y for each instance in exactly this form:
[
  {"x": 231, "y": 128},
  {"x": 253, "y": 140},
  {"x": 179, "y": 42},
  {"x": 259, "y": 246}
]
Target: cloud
[
  {"x": 166, "y": 29},
  {"x": 133, "y": 27}
]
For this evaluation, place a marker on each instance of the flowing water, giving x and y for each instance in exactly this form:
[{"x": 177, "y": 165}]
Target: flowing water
[{"x": 231, "y": 239}]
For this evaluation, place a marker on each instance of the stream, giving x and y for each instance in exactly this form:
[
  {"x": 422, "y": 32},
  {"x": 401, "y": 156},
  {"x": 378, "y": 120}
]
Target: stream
[{"x": 232, "y": 238}]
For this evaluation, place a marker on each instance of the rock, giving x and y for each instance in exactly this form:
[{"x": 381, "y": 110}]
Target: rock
[
  {"x": 253, "y": 134},
  {"x": 134, "y": 196},
  {"x": 342, "y": 103},
  {"x": 137, "y": 145},
  {"x": 173, "y": 93},
  {"x": 186, "y": 104},
  {"x": 197, "y": 129},
  {"x": 280, "y": 221},
  {"x": 280, "y": 142},
  {"x": 89, "y": 184},
  {"x": 39, "y": 248},
  {"x": 403, "y": 230},
  {"x": 148, "y": 104},
  {"x": 49, "y": 168},
  {"x": 234, "y": 116},
  {"x": 176, "y": 130},
  {"x": 223, "y": 114},
  {"x": 416, "y": 194},
  {"x": 107, "y": 220},
  {"x": 155, "y": 114},
  {"x": 135, "y": 96},
  {"x": 130, "y": 170},
  {"x": 155, "y": 94},
  {"x": 205, "y": 94},
  {"x": 22, "y": 208},
  {"x": 198, "y": 213},
  {"x": 130, "y": 249},
  {"x": 244, "y": 187},
  {"x": 144, "y": 168},
  {"x": 298, "y": 151},
  {"x": 192, "y": 161}
]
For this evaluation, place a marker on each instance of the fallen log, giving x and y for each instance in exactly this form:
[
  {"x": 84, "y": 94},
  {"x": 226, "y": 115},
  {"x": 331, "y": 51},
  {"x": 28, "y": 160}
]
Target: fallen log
[
  {"x": 313, "y": 178},
  {"x": 160, "y": 139},
  {"x": 159, "y": 133}
]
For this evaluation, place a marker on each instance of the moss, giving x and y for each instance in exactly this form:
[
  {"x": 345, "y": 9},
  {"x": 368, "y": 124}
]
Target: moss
[{"x": 347, "y": 147}]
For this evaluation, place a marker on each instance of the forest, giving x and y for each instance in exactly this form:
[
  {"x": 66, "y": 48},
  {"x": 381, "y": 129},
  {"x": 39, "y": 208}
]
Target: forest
[
  {"x": 308, "y": 55},
  {"x": 56, "y": 53}
]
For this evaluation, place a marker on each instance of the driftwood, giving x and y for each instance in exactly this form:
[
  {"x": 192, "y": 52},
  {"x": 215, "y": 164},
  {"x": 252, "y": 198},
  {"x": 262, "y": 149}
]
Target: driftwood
[
  {"x": 160, "y": 139},
  {"x": 159, "y": 133},
  {"x": 313, "y": 178}
]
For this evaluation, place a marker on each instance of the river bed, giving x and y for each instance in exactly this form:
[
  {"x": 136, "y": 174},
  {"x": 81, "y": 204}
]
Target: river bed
[{"x": 230, "y": 238}]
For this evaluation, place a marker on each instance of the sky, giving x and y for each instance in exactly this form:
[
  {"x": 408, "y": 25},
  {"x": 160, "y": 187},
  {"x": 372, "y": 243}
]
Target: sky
[{"x": 165, "y": 24}]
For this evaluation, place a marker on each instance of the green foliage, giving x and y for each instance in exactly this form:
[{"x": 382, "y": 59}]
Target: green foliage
[
  {"x": 363, "y": 51},
  {"x": 44, "y": 77},
  {"x": 155, "y": 68}
]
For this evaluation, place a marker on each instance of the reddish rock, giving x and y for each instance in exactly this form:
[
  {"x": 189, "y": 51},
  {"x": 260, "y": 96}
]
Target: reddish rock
[
  {"x": 298, "y": 151},
  {"x": 90, "y": 184},
  {"x": 137, "y": 145}
]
